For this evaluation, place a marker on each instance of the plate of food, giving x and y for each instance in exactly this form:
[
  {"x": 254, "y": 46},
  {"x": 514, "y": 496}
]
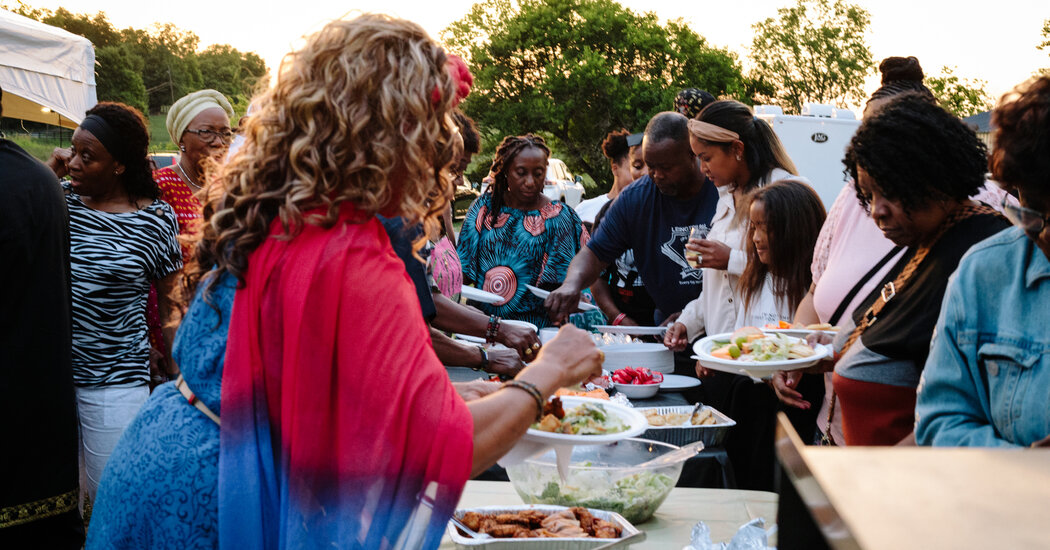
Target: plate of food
[
  {"x": 632, "y": 330},
  {"x": 756, "y": 353},
  {"x": 674, "y": 425},
  {"x": 540, "y": 527},
  {"x": 585, "y": 421}
]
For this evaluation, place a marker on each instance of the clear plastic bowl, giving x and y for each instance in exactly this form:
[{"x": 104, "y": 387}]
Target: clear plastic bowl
[{"x": 603, "y": 477}]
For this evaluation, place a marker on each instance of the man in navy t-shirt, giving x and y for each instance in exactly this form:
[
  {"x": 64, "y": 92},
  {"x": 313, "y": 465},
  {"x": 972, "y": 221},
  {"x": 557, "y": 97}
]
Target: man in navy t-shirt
[{"x": 652, "y": 216}]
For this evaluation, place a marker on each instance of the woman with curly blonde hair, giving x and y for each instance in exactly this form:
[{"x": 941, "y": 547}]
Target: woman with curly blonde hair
[{"x": 339, "y": 426}]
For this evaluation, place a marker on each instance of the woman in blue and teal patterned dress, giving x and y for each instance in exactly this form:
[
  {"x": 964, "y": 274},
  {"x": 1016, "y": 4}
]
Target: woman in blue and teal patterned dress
[{"x": 514, "y": 235}]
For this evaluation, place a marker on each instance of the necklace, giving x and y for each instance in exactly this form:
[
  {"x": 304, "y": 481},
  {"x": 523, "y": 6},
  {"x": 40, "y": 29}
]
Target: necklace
[{"x": 189, "y": 180}]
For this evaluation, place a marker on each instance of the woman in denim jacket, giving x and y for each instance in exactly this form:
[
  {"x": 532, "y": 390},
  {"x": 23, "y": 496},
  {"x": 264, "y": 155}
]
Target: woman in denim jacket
[{"x": 987, "y": 377}]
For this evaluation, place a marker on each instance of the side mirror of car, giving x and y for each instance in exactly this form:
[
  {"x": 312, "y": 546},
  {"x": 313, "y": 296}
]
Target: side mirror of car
[{"x": 579, "y": 179}]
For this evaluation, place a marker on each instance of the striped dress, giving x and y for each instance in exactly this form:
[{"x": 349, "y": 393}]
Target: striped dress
[{"x": 114, "y": 257}]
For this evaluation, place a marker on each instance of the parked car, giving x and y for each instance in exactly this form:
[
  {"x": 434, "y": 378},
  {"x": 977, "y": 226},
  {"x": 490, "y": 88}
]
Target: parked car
[
  {"x": 162, "y": 160},
  {"x": 561, "y": 185}
]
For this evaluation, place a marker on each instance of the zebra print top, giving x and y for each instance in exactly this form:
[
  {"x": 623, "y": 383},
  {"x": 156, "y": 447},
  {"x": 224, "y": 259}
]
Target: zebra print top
[{"x": 113, "y": 259}]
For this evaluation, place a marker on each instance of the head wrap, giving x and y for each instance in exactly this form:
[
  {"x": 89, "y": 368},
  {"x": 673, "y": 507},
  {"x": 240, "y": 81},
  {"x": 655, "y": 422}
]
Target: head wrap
[
  {"x": 710, "y": 132},
  {"x": 189, "y": 106},
  {"x": 691, "y": 101},
  {"x": 105, "y": 134},
  {"x": 457, "y": 68}
]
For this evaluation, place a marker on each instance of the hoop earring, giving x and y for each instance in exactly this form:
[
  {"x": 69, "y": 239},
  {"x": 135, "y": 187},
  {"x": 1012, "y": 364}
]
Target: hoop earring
[{"x": 738, "y": 158}]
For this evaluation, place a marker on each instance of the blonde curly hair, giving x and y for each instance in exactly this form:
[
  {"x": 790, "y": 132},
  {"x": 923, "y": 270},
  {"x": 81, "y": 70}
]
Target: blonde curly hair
[{"x": 361, "y": 114}]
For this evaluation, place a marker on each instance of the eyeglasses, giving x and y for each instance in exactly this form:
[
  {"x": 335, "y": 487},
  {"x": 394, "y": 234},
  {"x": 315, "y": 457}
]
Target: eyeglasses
[
  {"x": 1030, "y": 221},
  {"x": 211, "y": 135}
]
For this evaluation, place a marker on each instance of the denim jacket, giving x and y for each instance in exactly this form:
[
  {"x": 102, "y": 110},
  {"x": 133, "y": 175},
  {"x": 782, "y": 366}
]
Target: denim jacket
[{"x": 987, "y": 378}]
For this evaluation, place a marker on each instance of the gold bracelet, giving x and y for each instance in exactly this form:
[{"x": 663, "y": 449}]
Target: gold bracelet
[{"x": 531, "y": 390}]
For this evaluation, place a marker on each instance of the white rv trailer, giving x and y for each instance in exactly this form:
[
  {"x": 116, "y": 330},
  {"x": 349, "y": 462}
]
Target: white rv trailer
[{"x": 816, "y": 141}]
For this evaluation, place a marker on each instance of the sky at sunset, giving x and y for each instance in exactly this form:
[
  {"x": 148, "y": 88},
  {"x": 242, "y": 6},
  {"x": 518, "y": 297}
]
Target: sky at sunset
[{"x": 995, "y": 41}]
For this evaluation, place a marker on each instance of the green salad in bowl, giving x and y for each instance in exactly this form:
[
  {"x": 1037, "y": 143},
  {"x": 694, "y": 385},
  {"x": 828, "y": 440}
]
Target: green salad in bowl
[{"x": 602, "y": 477}]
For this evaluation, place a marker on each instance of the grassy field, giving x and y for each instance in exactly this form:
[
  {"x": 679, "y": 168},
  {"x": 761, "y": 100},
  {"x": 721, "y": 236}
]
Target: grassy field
[
  {"x": 159, "y": 142},
  {"x": 39, "y": 148}
]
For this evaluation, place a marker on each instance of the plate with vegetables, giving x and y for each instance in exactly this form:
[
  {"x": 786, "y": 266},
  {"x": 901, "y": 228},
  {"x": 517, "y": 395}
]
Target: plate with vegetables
[
  {"x": 757, "y": 353},
  {"x": 586, "y": 421}
]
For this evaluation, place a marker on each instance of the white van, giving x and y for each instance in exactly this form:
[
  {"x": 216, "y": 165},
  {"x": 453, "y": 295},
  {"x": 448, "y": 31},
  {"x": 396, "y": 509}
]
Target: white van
[{"x": 816, "y": 141}]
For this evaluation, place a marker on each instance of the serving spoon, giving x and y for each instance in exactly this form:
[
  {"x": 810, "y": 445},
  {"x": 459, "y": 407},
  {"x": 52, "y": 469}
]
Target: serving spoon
[{"x": 674, "y": 456}]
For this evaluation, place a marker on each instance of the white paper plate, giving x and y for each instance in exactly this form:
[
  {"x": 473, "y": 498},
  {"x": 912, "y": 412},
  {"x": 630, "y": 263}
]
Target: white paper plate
[
  {"x": 540, "y": 293},
  {"x": 678, "y": 382},
  {"x": 755, "y": 369},
  {"x": 469, "y": 338},
  {"x": 638, "y": 331},
  {"x": 635, "y": 421},
  {"x": 479, "y": 295}
]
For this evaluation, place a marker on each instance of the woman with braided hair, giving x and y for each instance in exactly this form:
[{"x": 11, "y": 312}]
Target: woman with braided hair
[
  {"x": 514, "y": 235},
  {"x": 914, "y": 167}
]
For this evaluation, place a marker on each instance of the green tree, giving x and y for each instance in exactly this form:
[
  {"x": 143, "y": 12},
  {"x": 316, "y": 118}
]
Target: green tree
[
  {"x": 234, "y": 73},
  {"x": 119, "y": 76},
  {"x": 95, "y": 28},
  {"x": 961, "y": 96},
  {"x": 814, "y": 51},
  {"x": 572, "y": 70},
  {"x": 170, "y": 67}
]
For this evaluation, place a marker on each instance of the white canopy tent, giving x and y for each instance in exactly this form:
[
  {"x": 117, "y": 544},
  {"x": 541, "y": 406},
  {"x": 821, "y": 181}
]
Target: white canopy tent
[{"x": 47, "y": 73}]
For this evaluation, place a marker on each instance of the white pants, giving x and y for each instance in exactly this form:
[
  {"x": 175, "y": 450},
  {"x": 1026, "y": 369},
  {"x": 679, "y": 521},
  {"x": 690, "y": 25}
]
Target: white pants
[{"x": 104, "y": 413}]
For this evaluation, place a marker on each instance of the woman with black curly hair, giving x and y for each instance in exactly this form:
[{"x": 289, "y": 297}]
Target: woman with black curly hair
[
  {"x": 513, "y": 235},
  {"x": 986, "y": 379},
  {"x": 122, "y": 238},
  {"x": 914, "y": 167}
]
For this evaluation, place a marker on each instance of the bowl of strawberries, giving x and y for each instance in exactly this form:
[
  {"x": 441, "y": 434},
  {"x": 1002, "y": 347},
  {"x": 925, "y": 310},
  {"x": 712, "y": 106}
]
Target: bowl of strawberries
[{"x": 637, "y": 382}]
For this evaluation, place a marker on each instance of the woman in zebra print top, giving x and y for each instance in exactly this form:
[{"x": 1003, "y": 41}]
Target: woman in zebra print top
[{"x": 122, "y": 238}]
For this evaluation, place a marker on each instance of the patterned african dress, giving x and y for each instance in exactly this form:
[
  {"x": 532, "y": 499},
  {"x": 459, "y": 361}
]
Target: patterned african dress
[
  {"x": 523, "y": 247},
  {"x": 188, "y": 213}
]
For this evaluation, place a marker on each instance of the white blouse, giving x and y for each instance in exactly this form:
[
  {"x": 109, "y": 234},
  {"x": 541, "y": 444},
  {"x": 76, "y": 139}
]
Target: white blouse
[{"x": 716, "y": 309}]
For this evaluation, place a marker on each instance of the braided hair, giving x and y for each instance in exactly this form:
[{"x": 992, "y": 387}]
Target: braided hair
[
  {"x": 132, "y": 149},
  {"x": 506, "y": 152},
  {"x": 917, "y": 153}
]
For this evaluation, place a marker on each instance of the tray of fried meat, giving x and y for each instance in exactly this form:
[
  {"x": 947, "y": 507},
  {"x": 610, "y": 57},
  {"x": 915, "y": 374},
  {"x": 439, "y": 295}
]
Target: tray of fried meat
[{"x": 539, "y": 527}]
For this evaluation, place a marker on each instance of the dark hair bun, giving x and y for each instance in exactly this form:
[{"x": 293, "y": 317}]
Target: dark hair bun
[
  {"x": 900, "y": 68},
  {"x": 615, "y": 145}
]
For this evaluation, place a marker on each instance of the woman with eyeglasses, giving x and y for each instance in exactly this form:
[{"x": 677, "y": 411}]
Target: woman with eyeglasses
[
  {"x": 200, "y": 123},
  {"x": 988, "y": 374}
]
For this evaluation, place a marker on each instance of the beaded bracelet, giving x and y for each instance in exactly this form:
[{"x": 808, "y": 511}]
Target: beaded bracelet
[
  {"x": 493, "y": 329},
  {"x": 531, "y": 390}
]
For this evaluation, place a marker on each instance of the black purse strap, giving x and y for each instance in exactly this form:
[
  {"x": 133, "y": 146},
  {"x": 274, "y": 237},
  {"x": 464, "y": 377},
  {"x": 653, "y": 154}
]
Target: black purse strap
[{"x": 837, "y": 316}]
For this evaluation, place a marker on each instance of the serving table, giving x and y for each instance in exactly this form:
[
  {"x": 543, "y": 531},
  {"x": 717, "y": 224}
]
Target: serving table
[
  {"x": 723, "y": 510},
  {"x": 919, "y": 498},
  {"x": 710, "y": 468}
]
